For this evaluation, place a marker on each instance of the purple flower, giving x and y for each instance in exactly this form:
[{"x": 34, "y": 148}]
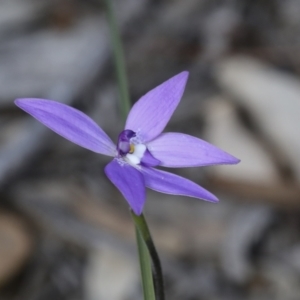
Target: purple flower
[{"x": 141, "y": 145}]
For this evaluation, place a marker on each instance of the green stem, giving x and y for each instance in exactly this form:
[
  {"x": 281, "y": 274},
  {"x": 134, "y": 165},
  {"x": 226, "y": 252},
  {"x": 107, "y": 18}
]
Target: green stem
[
  {"x": 119, "y": 60},
  {"x": 145, "y": 265},
  {"x": 142, "y": 227},
  {"x": 145, "y": 244}
]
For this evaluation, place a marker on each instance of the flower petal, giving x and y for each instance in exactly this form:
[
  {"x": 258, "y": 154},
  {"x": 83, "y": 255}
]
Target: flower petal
[
  {"x": 169, "y": 183},
  {"x": 129, "y": 181},
  {"x": 182, "y": 150},
  {"x": 70, "y": 123},
  {"x": 149, "y": 116},
  {"x": 149, "y": 160}
]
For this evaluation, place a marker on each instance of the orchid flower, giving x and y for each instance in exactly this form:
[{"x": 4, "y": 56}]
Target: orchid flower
[{"x": 141, "y": 146}]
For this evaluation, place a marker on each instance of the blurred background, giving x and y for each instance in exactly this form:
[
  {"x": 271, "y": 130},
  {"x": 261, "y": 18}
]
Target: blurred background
[{"x": 65, "y": 231}]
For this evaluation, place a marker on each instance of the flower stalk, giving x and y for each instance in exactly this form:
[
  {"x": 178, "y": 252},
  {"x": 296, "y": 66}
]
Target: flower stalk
[
  {"x": 118, "y": 59},
  {"x": 145, "y": 266},
  {"x": 143, "y": 237},
  {"x": 144, "y": 232}
]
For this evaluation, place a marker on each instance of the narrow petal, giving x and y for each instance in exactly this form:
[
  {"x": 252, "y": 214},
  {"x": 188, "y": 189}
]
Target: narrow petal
[
  {"x": 149, "y": 160},
  {"x": 169, "y": 183},
  {"x": 149, "y": 116},
  {"x": 182, "y": 150},
  {"x": 130, "y": 182},
  {"x": 70, "y": 123}
]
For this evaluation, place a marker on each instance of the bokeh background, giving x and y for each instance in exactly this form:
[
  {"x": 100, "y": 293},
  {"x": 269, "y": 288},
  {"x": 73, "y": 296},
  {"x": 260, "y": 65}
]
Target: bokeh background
[{"x": 65, "y": 231}]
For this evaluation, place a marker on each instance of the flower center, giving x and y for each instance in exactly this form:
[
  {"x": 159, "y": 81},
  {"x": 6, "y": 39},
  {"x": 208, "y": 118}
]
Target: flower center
[
  {"x": 129, "y": 148},
  {"x": 124, "y": 144}
]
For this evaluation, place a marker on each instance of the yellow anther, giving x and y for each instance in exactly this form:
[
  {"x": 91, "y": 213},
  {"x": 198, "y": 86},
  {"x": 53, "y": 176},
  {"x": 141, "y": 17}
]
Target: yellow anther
[{"x": 131, "y": 148}]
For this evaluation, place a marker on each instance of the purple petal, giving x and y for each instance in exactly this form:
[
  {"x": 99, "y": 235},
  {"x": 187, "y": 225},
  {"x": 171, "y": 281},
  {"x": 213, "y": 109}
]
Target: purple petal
[
  {"x": 70, "y": 123},
  {"x": 149, "y": 160},
  {"x": 182, "y": 150},
  {"x": 149, "y": 116},
  {"x": 129, "y": 181},
  {"x": 169, "y": 183}
]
